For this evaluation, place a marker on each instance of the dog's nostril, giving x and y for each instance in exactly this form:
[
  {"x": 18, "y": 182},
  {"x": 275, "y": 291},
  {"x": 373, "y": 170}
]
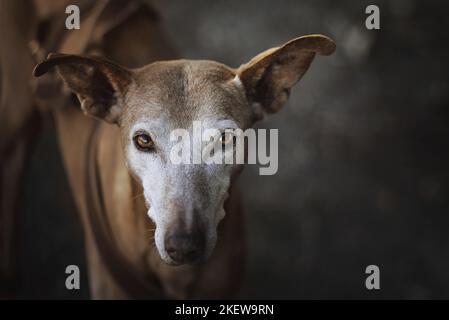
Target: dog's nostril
[{"x": 184, "y": 248}]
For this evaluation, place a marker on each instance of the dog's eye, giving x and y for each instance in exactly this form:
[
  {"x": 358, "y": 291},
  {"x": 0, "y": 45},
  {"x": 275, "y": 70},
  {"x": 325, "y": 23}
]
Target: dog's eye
[
  {"x": 226, "y": 138},
  {"x": 143, "y": 141}
]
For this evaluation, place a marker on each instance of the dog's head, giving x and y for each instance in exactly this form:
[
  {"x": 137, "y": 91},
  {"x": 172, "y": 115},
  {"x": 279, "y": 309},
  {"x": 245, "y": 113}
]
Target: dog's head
[{"x": 185, "y": 200}]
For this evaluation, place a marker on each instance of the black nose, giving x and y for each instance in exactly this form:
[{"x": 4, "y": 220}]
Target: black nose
[{"x": 185, "y": 247}]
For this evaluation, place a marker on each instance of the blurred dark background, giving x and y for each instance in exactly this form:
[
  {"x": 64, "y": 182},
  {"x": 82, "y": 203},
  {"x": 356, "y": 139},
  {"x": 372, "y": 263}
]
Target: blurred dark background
[{"x": 363, "y": 155}]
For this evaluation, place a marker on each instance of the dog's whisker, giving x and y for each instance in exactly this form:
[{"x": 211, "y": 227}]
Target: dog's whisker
[
  {"x": 151, "y": 230},
  {"x": 150, "y": 235},
  {"x": 137, "y": 196}
]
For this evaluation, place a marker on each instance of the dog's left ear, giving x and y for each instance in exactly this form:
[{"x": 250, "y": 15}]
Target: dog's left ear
[
  {"x": 99, "y": 84},
  {"x": 269, "y": 77}
]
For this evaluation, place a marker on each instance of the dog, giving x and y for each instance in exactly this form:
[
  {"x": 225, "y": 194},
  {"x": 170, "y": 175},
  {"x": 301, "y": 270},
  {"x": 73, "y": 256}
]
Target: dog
[{"x": 191, "y": 210}]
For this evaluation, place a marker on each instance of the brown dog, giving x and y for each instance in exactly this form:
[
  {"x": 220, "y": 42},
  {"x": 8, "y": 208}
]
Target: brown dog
[{"x": 185, "y": 202}]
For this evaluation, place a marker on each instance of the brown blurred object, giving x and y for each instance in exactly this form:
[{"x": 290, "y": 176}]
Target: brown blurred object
[
  {"x": 29, "y": 30},
  {"x": 18, "y": 121}
]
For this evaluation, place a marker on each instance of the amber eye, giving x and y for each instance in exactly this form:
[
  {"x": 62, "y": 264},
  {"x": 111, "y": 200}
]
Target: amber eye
[
  {"x": 227, "y": 138},
  {"x": 143, "y": 141}
]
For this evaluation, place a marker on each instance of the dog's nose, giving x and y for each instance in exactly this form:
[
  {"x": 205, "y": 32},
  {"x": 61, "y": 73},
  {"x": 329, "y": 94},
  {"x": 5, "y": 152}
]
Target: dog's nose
[{"x": 184, "y": 247}]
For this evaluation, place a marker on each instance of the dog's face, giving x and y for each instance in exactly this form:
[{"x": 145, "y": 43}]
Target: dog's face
[
  {"x": 162, "y": 102},
  {"x": 185, "y": 199}
]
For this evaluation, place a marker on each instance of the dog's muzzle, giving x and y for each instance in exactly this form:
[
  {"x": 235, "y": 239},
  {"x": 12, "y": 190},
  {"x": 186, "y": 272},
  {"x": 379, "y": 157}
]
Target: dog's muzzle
[{"x": 183, "y": 244}]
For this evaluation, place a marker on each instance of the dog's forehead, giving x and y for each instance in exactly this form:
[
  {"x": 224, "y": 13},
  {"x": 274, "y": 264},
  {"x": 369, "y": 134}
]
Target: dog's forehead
[{"x": 186, "y": 90}]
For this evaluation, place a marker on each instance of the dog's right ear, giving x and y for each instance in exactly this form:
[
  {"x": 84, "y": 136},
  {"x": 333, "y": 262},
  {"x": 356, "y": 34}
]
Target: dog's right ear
[
  {"x": 99, "y": 84},
  {"x": 269, "y": 77}
]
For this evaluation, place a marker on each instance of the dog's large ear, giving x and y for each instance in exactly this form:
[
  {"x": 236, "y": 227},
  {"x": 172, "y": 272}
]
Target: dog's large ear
[
  {"x": 99, "y": 84},
  {"x": 269, "y": 77}
]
